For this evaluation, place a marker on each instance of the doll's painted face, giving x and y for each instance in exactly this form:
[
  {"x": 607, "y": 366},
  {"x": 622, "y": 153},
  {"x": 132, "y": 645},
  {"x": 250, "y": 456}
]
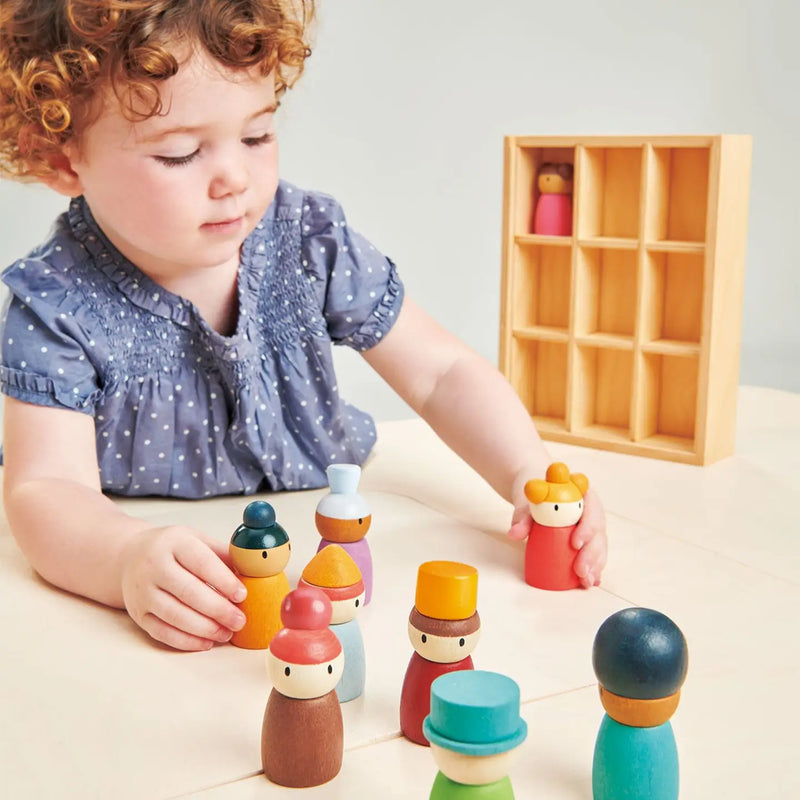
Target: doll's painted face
[
  {"x": 557, "y": 515},
  {"x": 260, "y": 563},
  {"x": 304, "y": 681},
  {"x": 180, "y": 191},
  {"x": 443, "y": 641},
  {"x": 474, "y": 770},
  {"x": 345, "y": 610}
]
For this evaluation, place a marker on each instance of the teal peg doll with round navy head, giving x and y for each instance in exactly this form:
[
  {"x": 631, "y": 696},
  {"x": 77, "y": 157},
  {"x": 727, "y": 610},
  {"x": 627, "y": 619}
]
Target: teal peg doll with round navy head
[{"x": 640, "y": 658}]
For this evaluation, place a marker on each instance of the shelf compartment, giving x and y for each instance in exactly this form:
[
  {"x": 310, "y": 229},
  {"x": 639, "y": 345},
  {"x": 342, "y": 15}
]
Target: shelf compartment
[
  {"x": 673, "y": 290},
  {"x": 609, "y": 242},
  {"x": 602, "y": 388},
  {"x": 528, "y": 161},
  {"x": 609, "y": 187},
  {"x": 668, "y": 412},
  {"x": 539, "y": 377},
  {"x": 541, "y": 290},
  {"x": 605, "y": 299},
  {"x": 535, "y": 238},
  {"x": 542, "y": 333},
  {"x": 677, "y": 204}
]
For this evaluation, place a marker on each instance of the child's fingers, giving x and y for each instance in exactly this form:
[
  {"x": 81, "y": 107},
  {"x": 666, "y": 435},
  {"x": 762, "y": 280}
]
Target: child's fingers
[
  {"x": 520, "y": 524},
  {"x": 167, "y": 634},
  {"x": 186, "y": 618},
  {"x": 192, "y": 590},
  {"x": 221, "y": 549},
  {"x": 194, "y": 554},
  {"x": 590, "y": 561}
]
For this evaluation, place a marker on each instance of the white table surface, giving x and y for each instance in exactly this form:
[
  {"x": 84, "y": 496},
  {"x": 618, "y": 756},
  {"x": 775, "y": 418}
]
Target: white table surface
[{"x": 92, "y": 708}]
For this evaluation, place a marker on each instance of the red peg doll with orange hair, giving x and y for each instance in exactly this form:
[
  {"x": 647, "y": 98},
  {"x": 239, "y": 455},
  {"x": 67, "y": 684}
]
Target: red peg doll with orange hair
[{"x": 556, "y": 505}]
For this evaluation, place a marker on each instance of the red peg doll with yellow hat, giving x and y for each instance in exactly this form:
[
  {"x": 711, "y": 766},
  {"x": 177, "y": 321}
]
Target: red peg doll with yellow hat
[
  {"x": 556, "y": 505},
  {"x": 444, "y": 627}
]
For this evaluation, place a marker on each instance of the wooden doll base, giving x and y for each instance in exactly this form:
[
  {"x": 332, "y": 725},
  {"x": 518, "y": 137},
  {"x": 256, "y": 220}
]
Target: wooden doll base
[
  {"x": 302, "y": 741},
  {"x": 415, "y": 698},
  {"x": 634, "y": 763},
  {"x": 553, "y": 215},
  {"x": 445, "y": 789},
  {"x": 262, "y": 608},
  {"x": 351, "y": 684},
  {"x": 549, "y": 558}
]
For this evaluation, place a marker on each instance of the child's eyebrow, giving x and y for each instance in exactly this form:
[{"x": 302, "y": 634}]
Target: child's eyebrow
[{"x": 269, "y": 109}]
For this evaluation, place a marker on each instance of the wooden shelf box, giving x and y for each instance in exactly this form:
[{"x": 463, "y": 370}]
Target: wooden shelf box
[{"x": 625, "y": 334}]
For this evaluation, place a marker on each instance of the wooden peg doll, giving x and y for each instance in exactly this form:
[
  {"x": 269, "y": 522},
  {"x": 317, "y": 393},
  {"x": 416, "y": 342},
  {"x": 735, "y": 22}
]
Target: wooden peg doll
[
  {"x": 343, "y": 517},
  {"x": 444, "y": 628},
  {"x": 260, "y": 550},
  {"x": 334, "y": 572},
  {"x": 302, "y": 737},
  {"x": 475, "y": 732},
  {"x": 553, "y": 214},
  {"x": 640, "y": 658},
  {"x": 556, "y": 505}
]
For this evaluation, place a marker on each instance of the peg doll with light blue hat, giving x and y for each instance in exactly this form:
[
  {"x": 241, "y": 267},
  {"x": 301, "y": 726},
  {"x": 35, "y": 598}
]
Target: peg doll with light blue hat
[
  {"x": 475, "y": 732},
  {"x": 343, "y": 517}
]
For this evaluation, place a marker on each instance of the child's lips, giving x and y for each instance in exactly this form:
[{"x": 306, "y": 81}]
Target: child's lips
[{"x": 224, "y": 225}]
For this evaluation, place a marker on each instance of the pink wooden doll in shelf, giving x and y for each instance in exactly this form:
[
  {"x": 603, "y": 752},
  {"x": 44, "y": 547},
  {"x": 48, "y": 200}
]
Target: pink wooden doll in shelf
[
  {"x": 556, "y": 505},
  {"x": 553, "y": 215}
]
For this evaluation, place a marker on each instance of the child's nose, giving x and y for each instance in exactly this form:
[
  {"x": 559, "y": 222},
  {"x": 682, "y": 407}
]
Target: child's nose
[{"x": 230, "y": 177}]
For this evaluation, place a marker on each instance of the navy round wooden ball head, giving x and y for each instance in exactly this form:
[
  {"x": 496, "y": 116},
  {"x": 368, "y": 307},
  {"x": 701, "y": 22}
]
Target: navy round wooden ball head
[{"x": 640, "y": 653}]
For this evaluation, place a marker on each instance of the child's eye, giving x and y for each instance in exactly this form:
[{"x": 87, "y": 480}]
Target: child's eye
[
  {"x": 255, "y": 141},
  {"x": 176, "y": 161}
]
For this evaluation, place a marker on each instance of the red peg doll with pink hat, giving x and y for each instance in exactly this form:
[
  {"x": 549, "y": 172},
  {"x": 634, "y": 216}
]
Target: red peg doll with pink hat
[
  {"x": 302, "y": 736},
  {"x": 556, "y": 505}
]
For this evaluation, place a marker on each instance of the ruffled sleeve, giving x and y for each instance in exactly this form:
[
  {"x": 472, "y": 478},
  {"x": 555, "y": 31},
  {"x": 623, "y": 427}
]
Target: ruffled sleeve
[
  {"x": 359, "y": 289},
  {"x": 44, "y": 351}
]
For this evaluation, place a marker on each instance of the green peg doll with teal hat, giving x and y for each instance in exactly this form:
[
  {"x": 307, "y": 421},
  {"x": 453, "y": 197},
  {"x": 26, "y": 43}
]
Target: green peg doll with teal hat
[{"x": 475, "y": 732}]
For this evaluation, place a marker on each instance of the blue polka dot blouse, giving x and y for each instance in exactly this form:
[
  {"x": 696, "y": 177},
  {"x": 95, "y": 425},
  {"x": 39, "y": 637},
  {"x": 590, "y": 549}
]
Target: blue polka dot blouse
[{"x": 179, "y": 409}]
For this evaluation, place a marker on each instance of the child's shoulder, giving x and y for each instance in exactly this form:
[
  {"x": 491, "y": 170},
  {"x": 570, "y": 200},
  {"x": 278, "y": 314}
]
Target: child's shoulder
[
  {"x": 50, "y": 268},
  {"x": 316, "y": 211}
]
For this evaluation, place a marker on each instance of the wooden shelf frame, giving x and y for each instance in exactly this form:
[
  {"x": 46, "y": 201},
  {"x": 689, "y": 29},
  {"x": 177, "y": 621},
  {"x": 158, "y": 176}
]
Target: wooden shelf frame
[{"x": 625, "y": 335}]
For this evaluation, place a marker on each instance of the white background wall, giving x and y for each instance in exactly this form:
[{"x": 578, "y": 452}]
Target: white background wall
[{"x": 403, "y": 108}]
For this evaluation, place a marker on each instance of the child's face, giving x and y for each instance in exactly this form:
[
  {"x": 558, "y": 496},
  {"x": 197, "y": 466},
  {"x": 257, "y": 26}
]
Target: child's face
[{"x": 181, "y": 190}]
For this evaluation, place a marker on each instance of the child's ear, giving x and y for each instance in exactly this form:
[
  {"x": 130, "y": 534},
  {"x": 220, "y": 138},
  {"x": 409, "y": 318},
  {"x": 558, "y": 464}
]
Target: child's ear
[{"x": 63, "y": 179}]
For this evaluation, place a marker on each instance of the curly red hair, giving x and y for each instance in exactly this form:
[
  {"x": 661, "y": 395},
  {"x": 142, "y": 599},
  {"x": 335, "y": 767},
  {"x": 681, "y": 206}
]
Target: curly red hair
[{"x": 57, "y": 56}]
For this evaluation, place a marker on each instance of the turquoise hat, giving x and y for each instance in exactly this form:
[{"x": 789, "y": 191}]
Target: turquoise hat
[
  {"x": 260, "y": 531},
  {"x": 475, "y": 713}
]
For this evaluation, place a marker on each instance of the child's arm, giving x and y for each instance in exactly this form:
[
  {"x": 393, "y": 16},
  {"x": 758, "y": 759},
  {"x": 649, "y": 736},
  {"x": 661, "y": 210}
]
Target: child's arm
[
  {"x": 77, "y": 539},
  {"x": 478, "y": 415}
]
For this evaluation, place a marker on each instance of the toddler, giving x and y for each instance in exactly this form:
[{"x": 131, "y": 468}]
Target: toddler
[{"x": 172, "y": 336}]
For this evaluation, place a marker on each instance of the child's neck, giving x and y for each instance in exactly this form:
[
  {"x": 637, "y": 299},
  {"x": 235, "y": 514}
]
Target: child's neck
[{"x": 214, "y": 293}]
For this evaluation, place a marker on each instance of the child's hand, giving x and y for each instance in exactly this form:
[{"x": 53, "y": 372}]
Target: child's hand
[
  {"x": 177, "y": 586},
  {"x": 589, "y": 537}
]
